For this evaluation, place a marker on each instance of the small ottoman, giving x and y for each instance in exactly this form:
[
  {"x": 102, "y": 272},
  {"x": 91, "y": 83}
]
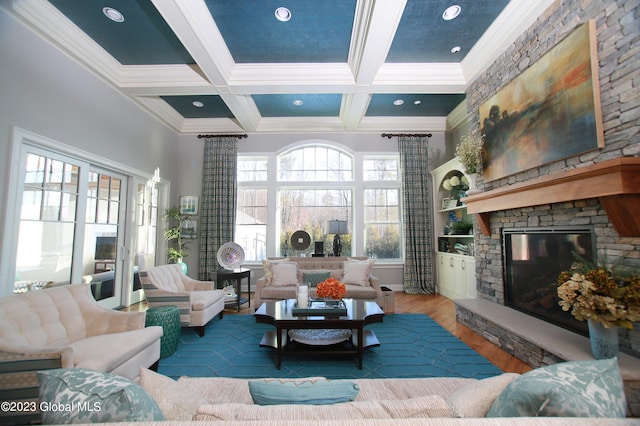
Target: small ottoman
[{"x": 169, "y": 318}]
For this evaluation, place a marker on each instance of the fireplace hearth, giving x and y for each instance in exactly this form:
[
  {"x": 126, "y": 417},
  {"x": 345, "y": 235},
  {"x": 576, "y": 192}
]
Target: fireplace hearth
[{"x": 533, "y": 259}]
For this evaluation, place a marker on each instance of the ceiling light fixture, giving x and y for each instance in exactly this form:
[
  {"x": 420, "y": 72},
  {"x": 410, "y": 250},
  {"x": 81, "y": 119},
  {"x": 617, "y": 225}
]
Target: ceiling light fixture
[
  {"x": 298, "y": 102},
  {"x": 456, "y": 49},
  {"x": 417, "y": 102},
  {"x": 197, "y": 104},
  {"x": 283, "y": 14},
  {"x": 113, "y": 14},
  {"x": 398, "y": 102},
  {"x": 451, "y": 12}
]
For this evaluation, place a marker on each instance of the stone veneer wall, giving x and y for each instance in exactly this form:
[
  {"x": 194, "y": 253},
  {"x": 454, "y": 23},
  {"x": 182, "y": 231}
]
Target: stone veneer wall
[{"x": 618, "y": 41}]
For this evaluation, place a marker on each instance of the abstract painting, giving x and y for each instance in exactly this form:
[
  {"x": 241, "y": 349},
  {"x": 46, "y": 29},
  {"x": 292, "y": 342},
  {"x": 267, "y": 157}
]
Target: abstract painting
[{"x": 549, "y": 112}]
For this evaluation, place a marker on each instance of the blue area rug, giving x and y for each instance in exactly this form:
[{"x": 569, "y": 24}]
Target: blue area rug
[{"x": 411, "y": 345}]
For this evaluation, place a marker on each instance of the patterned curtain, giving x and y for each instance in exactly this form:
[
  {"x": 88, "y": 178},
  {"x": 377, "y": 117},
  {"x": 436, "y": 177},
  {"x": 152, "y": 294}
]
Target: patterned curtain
[
  {"x": 218, "y": 201},
  {"x": 417, "y": 216}
]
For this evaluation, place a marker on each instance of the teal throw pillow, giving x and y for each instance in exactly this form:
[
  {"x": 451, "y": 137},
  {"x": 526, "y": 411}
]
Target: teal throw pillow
[
  {"x": 311, "y": 392},
  {"x": 567, "y": 389},
  {"x": 77, "y": 395},
  {"x": 314, "y": 278}
]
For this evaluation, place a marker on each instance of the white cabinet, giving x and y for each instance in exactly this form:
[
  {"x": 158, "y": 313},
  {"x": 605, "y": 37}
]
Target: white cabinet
[{"x": 455, "y": 262}]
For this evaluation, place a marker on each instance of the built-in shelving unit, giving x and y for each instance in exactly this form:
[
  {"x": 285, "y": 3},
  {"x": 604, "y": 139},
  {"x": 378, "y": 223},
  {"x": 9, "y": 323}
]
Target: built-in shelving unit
[{"x": 455, "y": 262}]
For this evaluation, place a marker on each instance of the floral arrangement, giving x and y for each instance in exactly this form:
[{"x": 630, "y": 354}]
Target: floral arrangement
[
  {"x": 331, "y": 288},
  {"x": 592, "y": 292},
  {"x": 469, "y": 151},
  {"x": 457, "y": 185}
]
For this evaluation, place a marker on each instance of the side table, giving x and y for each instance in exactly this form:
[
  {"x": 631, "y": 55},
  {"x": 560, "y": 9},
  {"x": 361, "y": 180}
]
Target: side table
[
  {"x": 169, "y": 318},
  {"x": 236, "y": 276}
]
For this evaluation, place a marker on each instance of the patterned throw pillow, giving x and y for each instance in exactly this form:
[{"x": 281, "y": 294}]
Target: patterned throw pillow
[
  {"x": 313, "y": 278},
  {"x": 77, "y": 395},
  {"x": 567, "y": 389},
  {"x": 310, "y": 392}
]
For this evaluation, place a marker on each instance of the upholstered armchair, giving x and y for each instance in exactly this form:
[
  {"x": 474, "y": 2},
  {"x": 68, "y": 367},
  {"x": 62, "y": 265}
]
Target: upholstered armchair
[{"x": 198, "y": 301}]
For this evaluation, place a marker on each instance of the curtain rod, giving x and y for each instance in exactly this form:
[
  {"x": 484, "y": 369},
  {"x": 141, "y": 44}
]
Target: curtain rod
[
  {"x": 238, "y": 135},
  {"x": 410, "y": 135}
]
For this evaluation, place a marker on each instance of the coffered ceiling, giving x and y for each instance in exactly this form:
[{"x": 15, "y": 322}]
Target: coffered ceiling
[{"x": 228, "y": 66}]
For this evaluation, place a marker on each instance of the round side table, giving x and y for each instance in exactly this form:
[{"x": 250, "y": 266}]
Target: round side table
[{"x": 169, "y": 318}]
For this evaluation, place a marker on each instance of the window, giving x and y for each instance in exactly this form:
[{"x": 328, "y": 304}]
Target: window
[
  {"x": 306, "y": 187},
  {"x": 382, "y": 208}
]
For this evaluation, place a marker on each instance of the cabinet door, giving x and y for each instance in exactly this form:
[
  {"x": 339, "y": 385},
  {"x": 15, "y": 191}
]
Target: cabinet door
[
  {"x": 447, "y": 280},
  {"x": 468, "y": 271}
]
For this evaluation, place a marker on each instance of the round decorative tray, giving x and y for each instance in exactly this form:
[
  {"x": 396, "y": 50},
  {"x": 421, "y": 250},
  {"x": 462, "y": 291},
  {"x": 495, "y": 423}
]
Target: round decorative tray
[
  {"x": 300, "y": 240},
  {"x": 320, "y": 336},
  {"x": 230, "y": 256}
]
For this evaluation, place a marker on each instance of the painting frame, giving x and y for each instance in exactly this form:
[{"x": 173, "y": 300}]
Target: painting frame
[
  {"x": 189, "y": 205},
  {"x": 445, "y": 203},
  {"x": 189, "y": 229},
  {"x": 549, "y": 112}
]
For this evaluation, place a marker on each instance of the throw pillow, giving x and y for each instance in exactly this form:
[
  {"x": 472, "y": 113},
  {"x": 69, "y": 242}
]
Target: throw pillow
[
  {"x": 357, "y": 271},
  {"x": 266, "y": 264},
  {"x": 310, "y": 392},
  {"x": 313, "y": 278},
  {"x": 474, "y": 400},
  {"x": 176, "y": 400},
  {"x": 567, "y": 389},
  {"x": 284, "y": 274},
  {"x": 429, "y": 406},
  {"x": 77, "y": 395}
]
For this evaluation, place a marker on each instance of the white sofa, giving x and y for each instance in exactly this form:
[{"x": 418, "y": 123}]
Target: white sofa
[
  {"x": 570, "y": 393},
  {"x": 267, "y": 291},
  {"x": 64, "y": 327}
]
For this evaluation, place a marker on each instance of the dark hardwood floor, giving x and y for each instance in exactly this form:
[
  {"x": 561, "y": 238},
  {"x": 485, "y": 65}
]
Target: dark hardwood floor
[{"x": 443, "y": 311}]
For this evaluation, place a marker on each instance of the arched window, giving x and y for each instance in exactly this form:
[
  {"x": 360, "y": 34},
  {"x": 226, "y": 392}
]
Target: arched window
[{"x": 304, "y": 188}]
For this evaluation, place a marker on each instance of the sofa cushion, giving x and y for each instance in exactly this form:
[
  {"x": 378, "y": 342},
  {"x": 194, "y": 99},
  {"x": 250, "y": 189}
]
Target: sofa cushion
[
  {"x": 419, "y": 408},
  {"x": 567, "y": 389},
  {"x": 357, "y": 271},
  {"x": 314, "y": 277},
  {"x": 176, "y": 400},
  {"x": 267, "y": 264},
  {"x": 108, "y": 351},
  {"x": 201, "y": 300},
  {"x": 312, "y": 392},
  {"x": 284, "y": 274},
  {"x": 474, "y": 400},
  {"x": 77, "y": 395}
]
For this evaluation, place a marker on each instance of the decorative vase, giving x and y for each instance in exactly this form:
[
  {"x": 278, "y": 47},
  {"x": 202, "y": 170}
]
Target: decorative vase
[
  {"x": 604, "y": 341},
  {"x": 473, "y": 188},
  {"x": 183, "y": 266}
]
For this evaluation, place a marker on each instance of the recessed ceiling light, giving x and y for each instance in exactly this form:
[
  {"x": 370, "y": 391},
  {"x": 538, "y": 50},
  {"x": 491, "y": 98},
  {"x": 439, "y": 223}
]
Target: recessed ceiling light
[
  {"x": 398, "y": 102},
  {"x": 456, "y": 49},
  {"x": 113, "y": 14},
  {"x": 298, "y": 102},
  {"x": 197, "y": 104},
  {"x": 283, "y": 14},
  {"x": 417, "y": 102},
  {"x": 451, "y": 12}
]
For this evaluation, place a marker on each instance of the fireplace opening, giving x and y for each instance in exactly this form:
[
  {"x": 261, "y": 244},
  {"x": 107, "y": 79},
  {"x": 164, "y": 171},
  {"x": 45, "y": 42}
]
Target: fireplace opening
[{"x": 533, "y": 259}]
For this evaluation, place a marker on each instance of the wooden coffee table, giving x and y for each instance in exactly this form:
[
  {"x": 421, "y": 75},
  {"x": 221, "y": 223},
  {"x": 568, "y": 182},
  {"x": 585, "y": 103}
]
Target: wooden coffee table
[{"x": 280, "y": 315}]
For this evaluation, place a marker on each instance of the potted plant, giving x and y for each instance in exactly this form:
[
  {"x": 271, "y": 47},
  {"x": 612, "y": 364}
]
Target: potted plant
[
  {"x": 593, "y": 293},
  {"x": 461, "y": 228},
  {"x": 469, "y": 152},
  {"x": 174, "y": 233}
]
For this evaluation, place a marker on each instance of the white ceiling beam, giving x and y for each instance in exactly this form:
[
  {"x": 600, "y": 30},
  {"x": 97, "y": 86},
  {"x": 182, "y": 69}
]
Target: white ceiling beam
[{"x": 192, "y": 23}]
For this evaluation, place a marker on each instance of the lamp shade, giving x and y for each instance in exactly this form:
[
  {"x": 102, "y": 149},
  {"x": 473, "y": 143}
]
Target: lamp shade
[{"x": 338, "y": 227}]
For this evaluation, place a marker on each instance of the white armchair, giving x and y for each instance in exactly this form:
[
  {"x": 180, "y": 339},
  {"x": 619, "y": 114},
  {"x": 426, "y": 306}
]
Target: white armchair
[{"x": 198, "y": 301}]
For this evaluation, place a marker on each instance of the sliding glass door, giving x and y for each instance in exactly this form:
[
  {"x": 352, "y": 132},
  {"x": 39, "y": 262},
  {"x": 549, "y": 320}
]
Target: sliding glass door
[{"x": 77, "y": 222}]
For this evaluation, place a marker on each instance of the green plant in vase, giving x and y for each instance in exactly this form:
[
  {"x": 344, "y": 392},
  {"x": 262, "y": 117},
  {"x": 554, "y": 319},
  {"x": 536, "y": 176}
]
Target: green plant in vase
[
  {"x": 461, "y": 228},
  {"x": 174, "y": 234}
]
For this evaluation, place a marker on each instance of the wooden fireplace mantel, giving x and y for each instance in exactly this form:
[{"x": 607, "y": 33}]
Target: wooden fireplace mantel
[{"x": 616, "y": 183}]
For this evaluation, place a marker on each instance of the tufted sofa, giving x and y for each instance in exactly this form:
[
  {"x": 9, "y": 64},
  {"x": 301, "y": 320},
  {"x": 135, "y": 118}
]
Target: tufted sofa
[
  {"x": 267, "y": 291},
  {"x": 64, "y": 327}
]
